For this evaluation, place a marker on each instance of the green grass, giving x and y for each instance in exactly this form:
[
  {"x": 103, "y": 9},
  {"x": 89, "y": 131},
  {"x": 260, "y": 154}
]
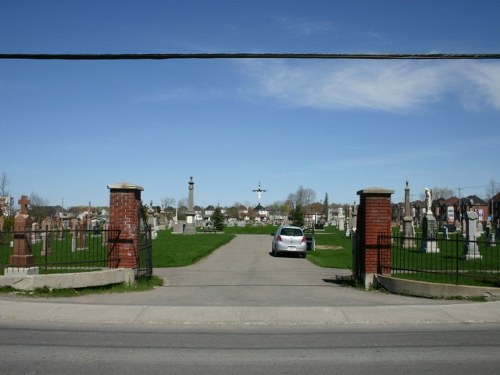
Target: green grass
[
  {"x": 333, "y": 249},
  {"x": 176, "y": 250}
]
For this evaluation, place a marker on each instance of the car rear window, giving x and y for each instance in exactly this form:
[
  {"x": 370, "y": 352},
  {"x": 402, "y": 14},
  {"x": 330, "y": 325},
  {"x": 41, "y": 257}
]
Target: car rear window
[{"x": 291, "y": 232}]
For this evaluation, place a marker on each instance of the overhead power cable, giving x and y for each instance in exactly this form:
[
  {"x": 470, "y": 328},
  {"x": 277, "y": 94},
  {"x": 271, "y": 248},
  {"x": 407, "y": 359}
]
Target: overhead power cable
[{"x": 172, "y": 56}]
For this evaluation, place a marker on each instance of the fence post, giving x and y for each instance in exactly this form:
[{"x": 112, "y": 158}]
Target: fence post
[
  {"x": 124, "y": 226},
  {"x": 374, "y": 219}
]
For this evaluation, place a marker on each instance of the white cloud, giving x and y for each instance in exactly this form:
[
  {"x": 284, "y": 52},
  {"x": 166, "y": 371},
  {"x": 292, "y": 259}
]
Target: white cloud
[
  {"x": 391, "y": 86},
  {"x": 484, "y": 80}
]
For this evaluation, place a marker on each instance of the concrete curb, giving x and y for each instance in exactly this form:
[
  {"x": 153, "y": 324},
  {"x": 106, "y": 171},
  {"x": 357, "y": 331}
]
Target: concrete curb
[
  {"x": 435, "y": 290},
  {"x": 69, "y": 280},
  {"x": 488, "y": 312}
]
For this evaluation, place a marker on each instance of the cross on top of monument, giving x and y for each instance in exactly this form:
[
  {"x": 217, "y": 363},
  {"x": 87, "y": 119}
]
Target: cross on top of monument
[{"x": 23, "y": 202}]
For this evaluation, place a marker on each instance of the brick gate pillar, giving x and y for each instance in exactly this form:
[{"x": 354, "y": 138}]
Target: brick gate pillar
[
  {"x": 374, "y": 218},
  {"x": 124, "y": 226}
]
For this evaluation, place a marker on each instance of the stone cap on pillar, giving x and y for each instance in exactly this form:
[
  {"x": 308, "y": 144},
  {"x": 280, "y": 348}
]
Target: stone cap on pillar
[
  {"x": 376, "y": 190},
  {"x": 124, "y": 186}
]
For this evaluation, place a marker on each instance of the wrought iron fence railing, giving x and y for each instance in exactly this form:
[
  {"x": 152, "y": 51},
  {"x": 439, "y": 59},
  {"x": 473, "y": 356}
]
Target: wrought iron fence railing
[
  {"x": 449, "y": 261},
  {"x": 58, "y": 251}
]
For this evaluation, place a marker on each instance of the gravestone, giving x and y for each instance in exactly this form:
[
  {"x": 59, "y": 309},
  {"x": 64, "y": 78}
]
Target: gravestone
[
  {"x": 445, "y": 233},
  {"x": 82, "y": 238},
  {"x": 492, "y": 240},
  {"x": 480, "y": 229},
  {"x": 354, "y": 217},
  {"x": 471, "y": 250},
  {"x": 408, "y": 226},
  {"x": 189, "y": 227},
  {"x": 46, "y": 243},
  {"x": 178, "y": 228},
  {"x": 341, "y": 219},
  {"x": 348, "y": 225},
  {"x": 22, "y": 262},
  {"x": 105, "y": 234},
  {"x": 429, "y": 228},
  {"x": 74, "y": 234}
]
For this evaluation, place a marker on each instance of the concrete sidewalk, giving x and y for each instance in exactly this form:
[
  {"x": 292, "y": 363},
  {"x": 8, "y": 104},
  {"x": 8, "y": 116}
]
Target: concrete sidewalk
[{"x": 487, "y": 312}]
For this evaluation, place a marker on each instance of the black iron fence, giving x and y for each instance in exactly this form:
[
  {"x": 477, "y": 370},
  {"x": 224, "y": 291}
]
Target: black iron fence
[
  {"x": 58, "y": 251},
  {"x": 145, "y": 258},
  {"x": 452, "y": 260}
]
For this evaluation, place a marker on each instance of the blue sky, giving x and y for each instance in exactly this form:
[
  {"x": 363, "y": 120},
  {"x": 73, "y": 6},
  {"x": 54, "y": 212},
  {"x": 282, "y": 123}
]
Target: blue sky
[{"x": 70, "y": 128}]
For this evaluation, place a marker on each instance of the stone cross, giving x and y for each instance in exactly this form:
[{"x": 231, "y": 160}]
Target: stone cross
[
  {"x": 24, "y": 202},
  {"x": 22, "y": 257}
]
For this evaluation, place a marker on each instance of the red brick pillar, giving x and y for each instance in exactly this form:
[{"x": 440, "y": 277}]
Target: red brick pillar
[
  {"x": 374, "y": 219},
  {"x": 124, "y": 226}
]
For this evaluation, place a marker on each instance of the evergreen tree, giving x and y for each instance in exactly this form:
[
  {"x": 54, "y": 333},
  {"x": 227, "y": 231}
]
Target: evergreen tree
[
  {"x": 298, "y": 216},
  {"x": 218, "y": 219},
  {"x": 325, "y": 207}
]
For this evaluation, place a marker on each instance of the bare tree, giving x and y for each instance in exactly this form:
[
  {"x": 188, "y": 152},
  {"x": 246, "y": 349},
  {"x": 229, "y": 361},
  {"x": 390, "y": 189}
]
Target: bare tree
[
  {"x": 37, "y": 206},
  {"x": 4, "y": 182},
  {"x": 182, "y": 203},
  {"x": 492, "y": 189},
  {"x": 304, "y": 196},
  {"x": 4, "y": 195},
  {"x": 168, "y": 202},
  {"x": 444, "y": 193}
]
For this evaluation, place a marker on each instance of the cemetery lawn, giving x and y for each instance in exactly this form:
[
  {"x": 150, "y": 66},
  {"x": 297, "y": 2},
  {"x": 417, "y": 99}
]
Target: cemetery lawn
[
  {"x": 333, "y": 249},
  {"x": 176, "y": 250}
]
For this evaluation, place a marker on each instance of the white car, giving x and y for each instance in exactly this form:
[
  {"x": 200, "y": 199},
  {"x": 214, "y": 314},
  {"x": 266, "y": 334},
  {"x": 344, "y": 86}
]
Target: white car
[{"x": 289, "y": 239}]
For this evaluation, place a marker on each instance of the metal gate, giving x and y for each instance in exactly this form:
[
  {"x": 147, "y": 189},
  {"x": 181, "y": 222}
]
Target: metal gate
[{"x": 145, "y": 254}]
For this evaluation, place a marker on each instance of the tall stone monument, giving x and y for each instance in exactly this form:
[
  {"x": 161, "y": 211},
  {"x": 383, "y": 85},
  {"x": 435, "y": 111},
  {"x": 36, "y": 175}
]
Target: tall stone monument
[
  {"x": 22, "y": 262},
  {"x": 354, "y": 221},
  {"x": 190, "y": 227},
  {"x": 341, "y": 219},
  {"x": 471, "y": 250},
  {"x": 429, "y": 227},
  {"x": 408, "y": 227}
]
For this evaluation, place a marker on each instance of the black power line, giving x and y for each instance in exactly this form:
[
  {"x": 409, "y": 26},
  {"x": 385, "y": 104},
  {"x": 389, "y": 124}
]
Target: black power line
[{"x": 172, "y": 56}]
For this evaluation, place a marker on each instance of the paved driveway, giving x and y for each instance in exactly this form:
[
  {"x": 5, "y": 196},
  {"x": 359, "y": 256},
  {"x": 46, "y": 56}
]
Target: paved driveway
[{"x": 243, "y": 273}]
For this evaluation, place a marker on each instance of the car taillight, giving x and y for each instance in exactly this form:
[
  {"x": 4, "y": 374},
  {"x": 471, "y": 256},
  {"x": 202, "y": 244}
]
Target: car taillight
[
  {"x": 279, "y": 239},
  {"x": 304, "y": 239}
]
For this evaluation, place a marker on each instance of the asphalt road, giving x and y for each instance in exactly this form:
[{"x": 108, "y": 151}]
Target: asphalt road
[
  {"x": 40, "y": 348},
  {"x": 223, "y": 315}
]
